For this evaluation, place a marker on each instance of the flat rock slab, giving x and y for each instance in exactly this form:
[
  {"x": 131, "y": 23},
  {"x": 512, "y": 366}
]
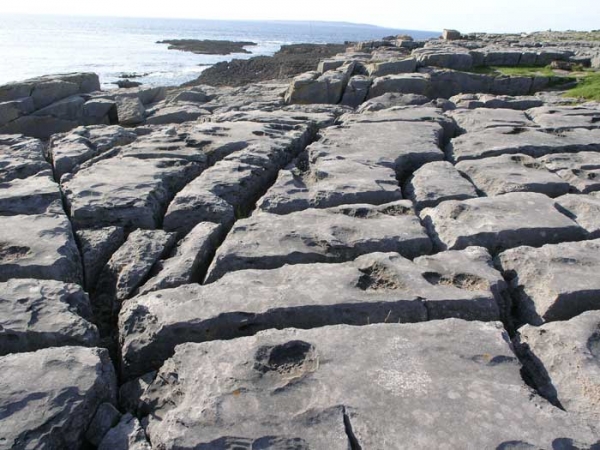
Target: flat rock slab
[
  {"x": 346, "y": 387},
  {"x": 512, "y": 173},
  {"x": 375, "y": 288},
  {"x": 37, "y": 314},
  {"x": 245, "y": 168},
  {"x": 49, "y": 397},
  {"x": 554, "y": 282},
  {"x": 585, "y": 210},
  {"x": 581, "y": 170},
  {"x": 39, "y": 246},
  {"x": 405, "y": 114},
  {"x": 21, "y": 157},
  {"x": 564, "y": 356},
  {"x": 132, "y": 187},
  {"x": 561, "y": 118},
  {"x": 520, "y": 103},
  {"x": 359, "y": 162},
  {"x": 502, "y": 222},
  {"x": 71, "y": 149},
  {"x": 267, "y": 241},
  {"x": 436, "y": 182},
  {"x": 528, "y": 141},
  {"x": 36, "y": 194},
  {"x": 469, "y": 120}
]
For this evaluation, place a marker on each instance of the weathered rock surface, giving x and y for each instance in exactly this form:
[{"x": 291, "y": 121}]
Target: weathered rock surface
[
  {"x": 49, "y": 397},
  {"x": 36, "y": 194},
  {"x": 512, "y": 173},
  {"x": 554, "y": 282},
  {"x": 106, "y": 417},
  {"x": 190, "y": 260},
  {"x": 336, "y": 170},
  {"x": 472, "y": 101},
  {"x": 563, "y": 357},
  {"x": 303, "y": 389},
  {"x": 130, "y": 110},
  {"x": 412, "y": 83},
  {"x": 498, "y": 223},
  {"x": 39, "y": 246},
  {"x": 392, "y": 99},
  {"x": 565, "y": 118},
  {"x": 36, "y": 314},
  {"x": 436, "y": 182},
  {"x": 373, "y": 288},
  {"x": 127, "y": 435},
  {"x": 267, "y": 241},
  {"x": 581, "y": 170},
  {"x": 133, "y": 187},
  {"x": 97, "y": 246},
  {"x": 21, "y": 157},
  {"x": 584, "y": 209},
  {"x": 469, "y": 120},
  {"x": 70, "y": 150},
  {"x": 528, "y": 141},
  {"x": 251, "y": 154}
]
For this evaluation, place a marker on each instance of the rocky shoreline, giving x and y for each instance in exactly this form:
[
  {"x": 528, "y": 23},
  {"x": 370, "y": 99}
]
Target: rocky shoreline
[{"x": 394, "y": 249}]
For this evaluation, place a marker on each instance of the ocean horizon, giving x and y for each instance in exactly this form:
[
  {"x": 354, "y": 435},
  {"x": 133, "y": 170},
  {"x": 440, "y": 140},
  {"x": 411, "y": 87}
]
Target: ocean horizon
[{"x": 35, "y": 45}]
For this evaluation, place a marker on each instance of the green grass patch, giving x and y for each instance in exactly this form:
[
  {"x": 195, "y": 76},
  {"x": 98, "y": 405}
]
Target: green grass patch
[{"x": 587, "y": 88}]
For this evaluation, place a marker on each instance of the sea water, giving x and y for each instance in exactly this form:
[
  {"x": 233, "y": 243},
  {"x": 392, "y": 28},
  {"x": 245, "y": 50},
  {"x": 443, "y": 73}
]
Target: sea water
[{"x": 32, "y": 45}]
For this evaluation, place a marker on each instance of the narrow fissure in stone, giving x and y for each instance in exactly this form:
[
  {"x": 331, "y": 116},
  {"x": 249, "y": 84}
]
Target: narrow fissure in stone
[{"x": 352, "y": 439}]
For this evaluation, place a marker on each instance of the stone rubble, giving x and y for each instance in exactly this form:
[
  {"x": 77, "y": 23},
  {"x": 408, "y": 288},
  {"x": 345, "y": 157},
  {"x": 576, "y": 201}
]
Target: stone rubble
[{"x": 392, "y": 251}]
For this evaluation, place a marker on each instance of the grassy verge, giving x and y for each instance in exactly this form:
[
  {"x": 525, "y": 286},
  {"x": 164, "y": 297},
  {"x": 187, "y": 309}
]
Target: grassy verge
[
  {"x": 587, "y": 88},
  {"x": 526, "y": 71}
]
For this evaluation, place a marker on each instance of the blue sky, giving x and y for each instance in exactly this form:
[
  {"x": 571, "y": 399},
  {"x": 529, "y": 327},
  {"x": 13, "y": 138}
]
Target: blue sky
[{"x": 464, "y": 15}]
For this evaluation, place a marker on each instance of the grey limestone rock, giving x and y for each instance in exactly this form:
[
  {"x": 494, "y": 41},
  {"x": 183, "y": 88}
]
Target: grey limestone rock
[
  {"x": 97, "y": 246},
  {"x": 469, "y": 120},
  {"x": 512, "y": 173},
  {"x": 253, "y": 152},
  {"x": 50, "y": 396},
  {"x": 190, "y": 260},
  {"x": 346, "y": 387},
  {"x": 356, "y": 91},
  {"x": 501, "y": 222},
  {"x": 37, "y": 314},
  {"x": 560, "y": 118},
  {"x": 436, "y": 182},
  {"x": 39, "y": 246},
  {"x": 21, "y": 157},
  {"x": 176, "y": 113},
  {"x": 520, "y": 103},
  {"x": 133, "y": 187},
  {"x": 584, "y": 209},
  {"x": 581, "y": 170},
  {"x": 314, "y": 87},
  {"x": 267, "y": 241},
  {"x": 563, "y": 356},
  {"x": 129, "y": 266},
  {"x": 106, "y": 417},
  {"x": 529, "y": 141},
  {"x": 554, "y": 282},
  {"x": 127, "y": 435},
  {"x": 391, "y": 67},
  {"x": 83, "y": 143},
  {"x": 130, "y": 110},
  {"x": 374, "y": 288},
  {"x": 36, "y": 194},
  {"x": 392, "y": 99},
  {"x": 453, "y": 58},
  {"x": 412, "y": 83}
]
